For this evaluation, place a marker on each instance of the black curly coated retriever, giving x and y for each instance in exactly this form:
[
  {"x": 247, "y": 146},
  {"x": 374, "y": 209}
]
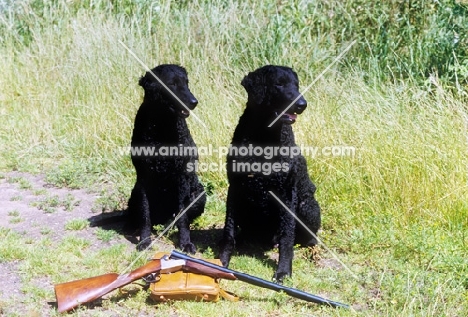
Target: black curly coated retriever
[
  {"x": 164, "y": 186},
  {"x": 263, "y": 159}
]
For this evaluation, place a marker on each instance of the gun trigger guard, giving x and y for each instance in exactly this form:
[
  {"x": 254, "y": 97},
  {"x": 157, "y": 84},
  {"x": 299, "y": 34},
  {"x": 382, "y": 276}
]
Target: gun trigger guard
[{"x": 152, "y": 278}]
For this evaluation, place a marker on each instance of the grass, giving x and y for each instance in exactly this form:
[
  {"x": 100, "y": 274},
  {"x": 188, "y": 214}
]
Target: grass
[
  {"x": 105, "y": 235},
  {"x": 76, "y": 224},
  {"x": 39, "y": 192},
  {"x": 23, "y": 183},
  {"x": 396, "y": 213},
  {"x": 16, "y": 198},
  {"x": 49, "y": 204},
  {"x": 14, "y": 216},
  {"x": 13, "y": 213}
]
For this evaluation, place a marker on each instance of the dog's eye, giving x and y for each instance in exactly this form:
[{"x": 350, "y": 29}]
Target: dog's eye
[{"x": 279, "y": 85}]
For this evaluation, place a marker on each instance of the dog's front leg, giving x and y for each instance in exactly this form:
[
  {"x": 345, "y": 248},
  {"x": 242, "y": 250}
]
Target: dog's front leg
[
  {"x": 139, "y": 196},
  {"x": 228, "y": 242},
  {"x": 183, "y": 224},
  {"x": 185, "y": 244},
  {"x": 286, "y": 245}
]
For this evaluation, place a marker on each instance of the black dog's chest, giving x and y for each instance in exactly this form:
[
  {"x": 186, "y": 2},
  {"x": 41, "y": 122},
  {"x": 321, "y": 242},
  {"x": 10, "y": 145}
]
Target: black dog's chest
[
  {"x": 169, "y": 152},
  {"x": 259, "y": 184},
  {"x": 258, "y": 169}
]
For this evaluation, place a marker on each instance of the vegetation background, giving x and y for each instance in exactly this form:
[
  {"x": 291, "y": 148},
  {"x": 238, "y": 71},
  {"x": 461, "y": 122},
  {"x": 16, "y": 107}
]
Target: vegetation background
[{"x": 395, "y": 213}]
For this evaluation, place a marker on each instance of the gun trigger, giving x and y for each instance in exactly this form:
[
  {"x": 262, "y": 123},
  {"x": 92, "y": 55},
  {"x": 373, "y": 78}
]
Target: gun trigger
[{"x": 152, "y": 278}]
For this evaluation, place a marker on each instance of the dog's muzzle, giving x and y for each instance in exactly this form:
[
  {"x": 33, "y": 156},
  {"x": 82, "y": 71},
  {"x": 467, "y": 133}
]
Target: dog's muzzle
[
  {"x": 291, "y": 115},
  {"x": 184, "y": 112}
]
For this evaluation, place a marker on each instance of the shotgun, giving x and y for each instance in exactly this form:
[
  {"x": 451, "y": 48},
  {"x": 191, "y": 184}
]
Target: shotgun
[
  {"x": 260, "y": 282},
  {"x": 72, "y": 294}
]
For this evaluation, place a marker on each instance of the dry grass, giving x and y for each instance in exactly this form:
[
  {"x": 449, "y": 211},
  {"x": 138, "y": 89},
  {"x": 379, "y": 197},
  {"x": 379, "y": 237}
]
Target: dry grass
[{"x": 396, "y": 212}]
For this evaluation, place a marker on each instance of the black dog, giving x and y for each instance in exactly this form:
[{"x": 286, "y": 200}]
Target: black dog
[
  {"x": 250, "y": 205},
  {"x": 164, "y": 186}
]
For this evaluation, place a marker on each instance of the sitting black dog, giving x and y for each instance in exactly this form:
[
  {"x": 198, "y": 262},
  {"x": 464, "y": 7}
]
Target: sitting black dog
[
  {"x": 164, "y": 185},
  {"x": 265, "y": 159}
]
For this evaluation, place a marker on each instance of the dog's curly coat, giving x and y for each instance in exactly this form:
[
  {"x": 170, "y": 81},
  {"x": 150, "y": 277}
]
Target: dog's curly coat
[
  {"x": 164, "y": 186},
  {"x": 250, "y": 207}
]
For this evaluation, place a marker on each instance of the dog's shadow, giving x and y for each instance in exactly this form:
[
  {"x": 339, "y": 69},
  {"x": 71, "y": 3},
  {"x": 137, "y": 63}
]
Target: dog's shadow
[
  {"x": 206, "y": 240},
  {"x": 115, "y": 221},
  {"x": 209, "y": 240},
  {"x": 256, "y": 251}
]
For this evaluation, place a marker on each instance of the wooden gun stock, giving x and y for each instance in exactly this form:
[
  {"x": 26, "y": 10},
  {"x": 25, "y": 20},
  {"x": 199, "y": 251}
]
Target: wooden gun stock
[{"x": 72, "y": 294}]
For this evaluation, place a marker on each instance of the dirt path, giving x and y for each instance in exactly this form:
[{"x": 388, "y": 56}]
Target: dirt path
[
  {"x": 35, "y": 209},
  {"x": 30, "y": 205}
]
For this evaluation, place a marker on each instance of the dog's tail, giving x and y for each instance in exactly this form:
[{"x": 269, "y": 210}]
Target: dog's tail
[{"x": 110, "y": 218}]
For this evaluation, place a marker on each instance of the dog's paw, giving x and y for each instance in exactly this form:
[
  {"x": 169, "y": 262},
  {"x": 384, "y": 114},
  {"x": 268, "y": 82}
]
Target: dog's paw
[
  {"x": 226, "y": 247},
  {"x": 189, "y": 248},
  {"x": 224, "y": 259},
  {"x": 225, "y": 256},
  {"x": 280, "y": 276},
  {"x": 312, "y": 242},
  {"x": 143, "y": 245}
]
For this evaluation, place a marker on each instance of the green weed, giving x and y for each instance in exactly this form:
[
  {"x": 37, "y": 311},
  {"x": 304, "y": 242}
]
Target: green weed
[
  {"x": 111, "y": 200},
  {"x": 15, "y": 216},
  {"x": 15, "y": 220},
  {"x": 16, "y": 198},
  {"x": 46, "y": 231},
  {"x": 69, "y": 202},
  {"x": 76, "y": 224},
  {"x": 105, "y": 235},
  {"x": 23, "y": 182},
  {"x": 13, "y": 213},
  {"x": 39, "y": 192},
  {"x": 49, "y": 204}
]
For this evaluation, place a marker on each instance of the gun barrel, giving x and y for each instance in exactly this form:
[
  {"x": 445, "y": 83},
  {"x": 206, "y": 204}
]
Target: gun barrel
[{"x": 262, "y": 283}]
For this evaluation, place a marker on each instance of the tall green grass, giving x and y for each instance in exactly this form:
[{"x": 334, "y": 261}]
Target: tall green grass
[{"x": 396, "y": 212}]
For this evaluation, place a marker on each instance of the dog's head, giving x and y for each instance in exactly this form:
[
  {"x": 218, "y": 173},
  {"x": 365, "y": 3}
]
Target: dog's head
[
  {"x": 271, "y": 89},
  {"x": 175, "y": 94}
]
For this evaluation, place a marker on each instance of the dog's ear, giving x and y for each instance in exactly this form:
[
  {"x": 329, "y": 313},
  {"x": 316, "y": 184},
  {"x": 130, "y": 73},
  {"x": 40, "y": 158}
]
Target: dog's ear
[
  {"x": 150, "y": 85},
  {"x": 146, "y": 82},
  {"x": 254, "y": 84}
]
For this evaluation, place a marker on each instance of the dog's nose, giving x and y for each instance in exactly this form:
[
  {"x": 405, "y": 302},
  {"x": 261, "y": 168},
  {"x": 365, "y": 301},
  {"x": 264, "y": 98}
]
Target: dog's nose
[
  {"x": 300, "y": 105},
  {"x": 193, "y": 102}
]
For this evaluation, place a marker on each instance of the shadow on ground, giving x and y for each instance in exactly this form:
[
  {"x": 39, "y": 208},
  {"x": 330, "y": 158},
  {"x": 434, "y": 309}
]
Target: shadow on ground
[{"x": 204, "y": 239}]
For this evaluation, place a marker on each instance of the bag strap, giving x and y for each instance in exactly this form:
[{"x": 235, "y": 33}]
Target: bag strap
[{"x": 228, "y": 295}]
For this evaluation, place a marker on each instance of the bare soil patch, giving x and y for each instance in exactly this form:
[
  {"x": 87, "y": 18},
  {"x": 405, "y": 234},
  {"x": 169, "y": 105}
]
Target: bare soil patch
[
  {"x": 40, "y": 207},
  {"x": 35, "y": 209}
]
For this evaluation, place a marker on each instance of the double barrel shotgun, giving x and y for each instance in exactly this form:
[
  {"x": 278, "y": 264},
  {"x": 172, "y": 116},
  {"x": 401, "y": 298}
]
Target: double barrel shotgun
[{"x": 72, "y": 294}]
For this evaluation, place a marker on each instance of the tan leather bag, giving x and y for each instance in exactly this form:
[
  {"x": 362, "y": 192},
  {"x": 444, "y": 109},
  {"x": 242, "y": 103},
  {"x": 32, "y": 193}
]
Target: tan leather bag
[{"x": 188, "y": 286}]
